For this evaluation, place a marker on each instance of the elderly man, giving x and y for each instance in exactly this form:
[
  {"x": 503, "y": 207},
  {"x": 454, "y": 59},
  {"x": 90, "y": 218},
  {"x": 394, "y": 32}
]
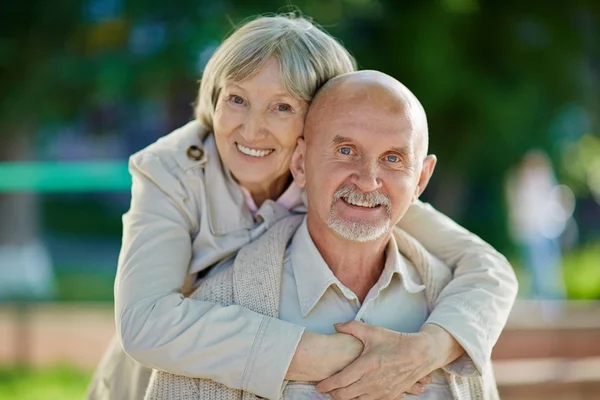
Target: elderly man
[{"x": 362, "y": 162}]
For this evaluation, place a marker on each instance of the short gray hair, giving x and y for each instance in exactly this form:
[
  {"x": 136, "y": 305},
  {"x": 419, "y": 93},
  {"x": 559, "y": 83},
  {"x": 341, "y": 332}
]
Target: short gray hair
[{"x": 308, "y": 57}]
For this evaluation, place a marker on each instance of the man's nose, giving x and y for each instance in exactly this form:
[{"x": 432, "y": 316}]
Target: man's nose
[
  {"x": 366, "y": 177},
  {"x": 254, "y": 129}
]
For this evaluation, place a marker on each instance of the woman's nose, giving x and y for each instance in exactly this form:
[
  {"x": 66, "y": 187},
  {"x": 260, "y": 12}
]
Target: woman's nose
[{"x": 254, "y": 127}]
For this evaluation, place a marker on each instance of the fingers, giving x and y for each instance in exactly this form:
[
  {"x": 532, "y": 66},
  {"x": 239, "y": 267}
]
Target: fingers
[
  {"x": 425, "y": 380},
  {"x": 353, "y": 328},
  {"x": 416, "y": 389},
  {"x": 366, "y": 397},
  {"x": 370, "y": 397},
  {"x": 349, "y": 375},
  {"x": 354, "y": 391}
]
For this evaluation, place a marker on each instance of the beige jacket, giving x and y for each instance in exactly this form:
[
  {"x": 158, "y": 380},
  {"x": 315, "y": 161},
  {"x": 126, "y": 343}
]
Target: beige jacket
[
  {"x": 254, "y": 281},
  {"x": 186, "y": 214}
]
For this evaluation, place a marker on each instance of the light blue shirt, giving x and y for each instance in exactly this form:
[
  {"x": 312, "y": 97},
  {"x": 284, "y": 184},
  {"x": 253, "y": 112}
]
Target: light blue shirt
[{"x": 311, "y": 296}]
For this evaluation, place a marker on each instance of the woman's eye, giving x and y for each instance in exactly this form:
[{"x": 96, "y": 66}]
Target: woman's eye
[
  {"x": 236, "y": 99},
  {"x": 345, "y": 151},
  {"x": 284, "y": 107},
  {"x": 392, "y": 158}
]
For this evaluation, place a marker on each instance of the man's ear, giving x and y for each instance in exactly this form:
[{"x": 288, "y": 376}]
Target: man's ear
[
  {"x": 426, "y": 172},
  {"x": 297, "y": 165}
]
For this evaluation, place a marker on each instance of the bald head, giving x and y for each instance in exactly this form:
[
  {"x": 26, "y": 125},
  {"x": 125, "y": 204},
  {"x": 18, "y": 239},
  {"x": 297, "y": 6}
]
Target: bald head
[
  {"x": 363, "y": 158},
  {"x": 352, "y": 92}
]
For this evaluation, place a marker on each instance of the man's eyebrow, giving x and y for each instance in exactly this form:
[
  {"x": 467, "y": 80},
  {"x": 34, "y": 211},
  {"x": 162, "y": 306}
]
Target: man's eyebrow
[
  {"x": 340, "y": 139},
  {"x": 405, "y": 151}
]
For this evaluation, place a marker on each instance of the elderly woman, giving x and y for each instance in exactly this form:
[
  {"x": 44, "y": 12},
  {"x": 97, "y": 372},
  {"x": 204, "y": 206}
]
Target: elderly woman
[{"x": 202, "y": 192}]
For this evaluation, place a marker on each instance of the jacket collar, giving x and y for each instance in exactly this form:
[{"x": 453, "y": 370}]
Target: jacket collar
[{"x": 227, "y": 210}]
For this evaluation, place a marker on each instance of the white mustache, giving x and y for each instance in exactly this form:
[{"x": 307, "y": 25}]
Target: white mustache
[{"x": 355, "y": 196}]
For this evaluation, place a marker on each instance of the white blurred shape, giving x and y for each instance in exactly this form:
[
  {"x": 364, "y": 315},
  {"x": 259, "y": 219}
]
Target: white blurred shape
[{"x": 26, "y": 272}]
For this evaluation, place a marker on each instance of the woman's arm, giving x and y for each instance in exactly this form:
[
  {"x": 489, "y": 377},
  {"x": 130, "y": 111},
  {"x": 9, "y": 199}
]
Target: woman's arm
[
  {"x": 318, "y": 356},
  {"x": 475, "y": 305},
  {"x": 162, "y": 329}
]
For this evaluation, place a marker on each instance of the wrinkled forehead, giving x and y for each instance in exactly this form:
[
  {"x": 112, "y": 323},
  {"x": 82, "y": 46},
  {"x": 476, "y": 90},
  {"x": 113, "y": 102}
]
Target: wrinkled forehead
[
  {"x": 371, "y": 112},
  {"x": 357, "y": 111}
]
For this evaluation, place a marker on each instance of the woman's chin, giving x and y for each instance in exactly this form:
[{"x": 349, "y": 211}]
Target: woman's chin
[
  {"x": 248, "y": 177},
  {"x": 252, "y": 163},
  {"x": 252, "y": 166},
  {"x": 257, "y": 171}
]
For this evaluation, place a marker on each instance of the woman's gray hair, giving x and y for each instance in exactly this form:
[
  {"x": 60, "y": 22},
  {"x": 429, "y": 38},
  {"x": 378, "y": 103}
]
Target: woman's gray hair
[{"x": 308, "y": 57}]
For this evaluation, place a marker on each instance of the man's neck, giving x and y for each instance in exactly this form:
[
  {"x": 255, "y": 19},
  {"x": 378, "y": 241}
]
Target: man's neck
[{"x": 358, "y": 265}]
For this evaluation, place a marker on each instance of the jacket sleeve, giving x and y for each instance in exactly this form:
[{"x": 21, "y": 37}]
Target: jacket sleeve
[
  {"x": 475, "y": 305},
  {"x": 162, "y": 329}
]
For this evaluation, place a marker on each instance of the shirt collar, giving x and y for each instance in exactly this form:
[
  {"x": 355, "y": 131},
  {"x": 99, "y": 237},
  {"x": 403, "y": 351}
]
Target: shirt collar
[
  {"x": 313, "y": 276},
  {"x": 395, "y": 263},
  {"x": 311, "y": 272}
]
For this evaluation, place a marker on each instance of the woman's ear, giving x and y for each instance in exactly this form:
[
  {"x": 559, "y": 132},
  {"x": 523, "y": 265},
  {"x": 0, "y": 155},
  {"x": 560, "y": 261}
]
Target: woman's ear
[
  {"x": 426, "y": 172},
  {"x": 297, "y": 164}
]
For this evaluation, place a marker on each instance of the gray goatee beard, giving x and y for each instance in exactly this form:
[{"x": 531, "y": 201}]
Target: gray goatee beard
[{"x": 359, "y": 230}]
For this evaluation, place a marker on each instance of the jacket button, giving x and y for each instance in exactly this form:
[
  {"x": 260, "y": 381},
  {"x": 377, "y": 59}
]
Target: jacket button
[{"x": 195, "y": 153}]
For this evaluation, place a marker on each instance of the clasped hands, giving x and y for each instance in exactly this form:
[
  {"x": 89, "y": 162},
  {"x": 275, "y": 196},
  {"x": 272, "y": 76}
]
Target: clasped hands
[{"x": 390, "y": 365}]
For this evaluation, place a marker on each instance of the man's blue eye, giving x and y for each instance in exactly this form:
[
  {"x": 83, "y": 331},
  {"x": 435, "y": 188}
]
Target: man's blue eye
[
  {"x": 393, "y": 159},
  {"x": 346, "y": 151},
  {"x": 237, "y": 99},
  {"x": 283, "y": 107}
]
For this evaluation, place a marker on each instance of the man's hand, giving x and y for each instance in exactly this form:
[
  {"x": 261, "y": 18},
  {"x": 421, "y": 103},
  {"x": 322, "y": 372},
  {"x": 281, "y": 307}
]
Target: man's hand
[{"x": 390, "y": 365}]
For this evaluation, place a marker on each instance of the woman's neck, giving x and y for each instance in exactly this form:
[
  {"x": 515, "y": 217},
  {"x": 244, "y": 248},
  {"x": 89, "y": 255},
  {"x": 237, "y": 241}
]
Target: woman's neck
[{"x": 261, "y": 193}]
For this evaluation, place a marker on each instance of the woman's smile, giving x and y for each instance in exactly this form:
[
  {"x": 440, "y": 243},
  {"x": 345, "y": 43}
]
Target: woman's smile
[
  {"x": 256, "y": 125},
  {"x": 254, "y": 152}
]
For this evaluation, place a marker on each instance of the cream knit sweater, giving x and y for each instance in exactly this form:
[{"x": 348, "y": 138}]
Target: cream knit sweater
[{"x": 255, "y": 283}]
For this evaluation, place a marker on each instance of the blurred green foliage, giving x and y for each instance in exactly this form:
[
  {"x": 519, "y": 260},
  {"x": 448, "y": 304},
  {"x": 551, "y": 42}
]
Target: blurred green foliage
[
  {"x": 582, "y": 272},
  {"x": 81, "y": 216},
  {"x": 84, "y": 284},
  {"x": 64, "y": 383},
  {"x": 496, "y": 78}
]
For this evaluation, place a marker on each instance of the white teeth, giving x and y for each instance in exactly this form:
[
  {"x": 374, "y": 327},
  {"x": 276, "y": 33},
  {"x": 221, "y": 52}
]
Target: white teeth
[
  {"x": 252, "y": 152},
  {"x": 360, "y": 203}
]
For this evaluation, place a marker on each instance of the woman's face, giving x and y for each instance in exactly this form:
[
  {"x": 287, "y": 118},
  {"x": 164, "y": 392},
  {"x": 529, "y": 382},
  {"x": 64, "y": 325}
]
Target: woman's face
[{"x": 256, "y": 125}]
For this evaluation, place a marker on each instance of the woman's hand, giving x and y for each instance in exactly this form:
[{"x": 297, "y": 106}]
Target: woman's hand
[{"x": 391, "y": 363}]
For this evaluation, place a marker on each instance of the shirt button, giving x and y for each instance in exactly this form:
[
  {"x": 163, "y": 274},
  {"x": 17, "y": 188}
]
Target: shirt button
[{"x": 195, "y": 153}]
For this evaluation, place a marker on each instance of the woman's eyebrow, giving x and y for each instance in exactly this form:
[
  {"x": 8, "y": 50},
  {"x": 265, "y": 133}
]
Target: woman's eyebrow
[
  {"x": 285, "y": 95},
  {"x": 236, "y": 86}
]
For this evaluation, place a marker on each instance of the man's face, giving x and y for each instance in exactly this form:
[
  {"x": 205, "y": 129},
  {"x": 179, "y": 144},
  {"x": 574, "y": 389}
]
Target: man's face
[{"x": 362, "y": 166}]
